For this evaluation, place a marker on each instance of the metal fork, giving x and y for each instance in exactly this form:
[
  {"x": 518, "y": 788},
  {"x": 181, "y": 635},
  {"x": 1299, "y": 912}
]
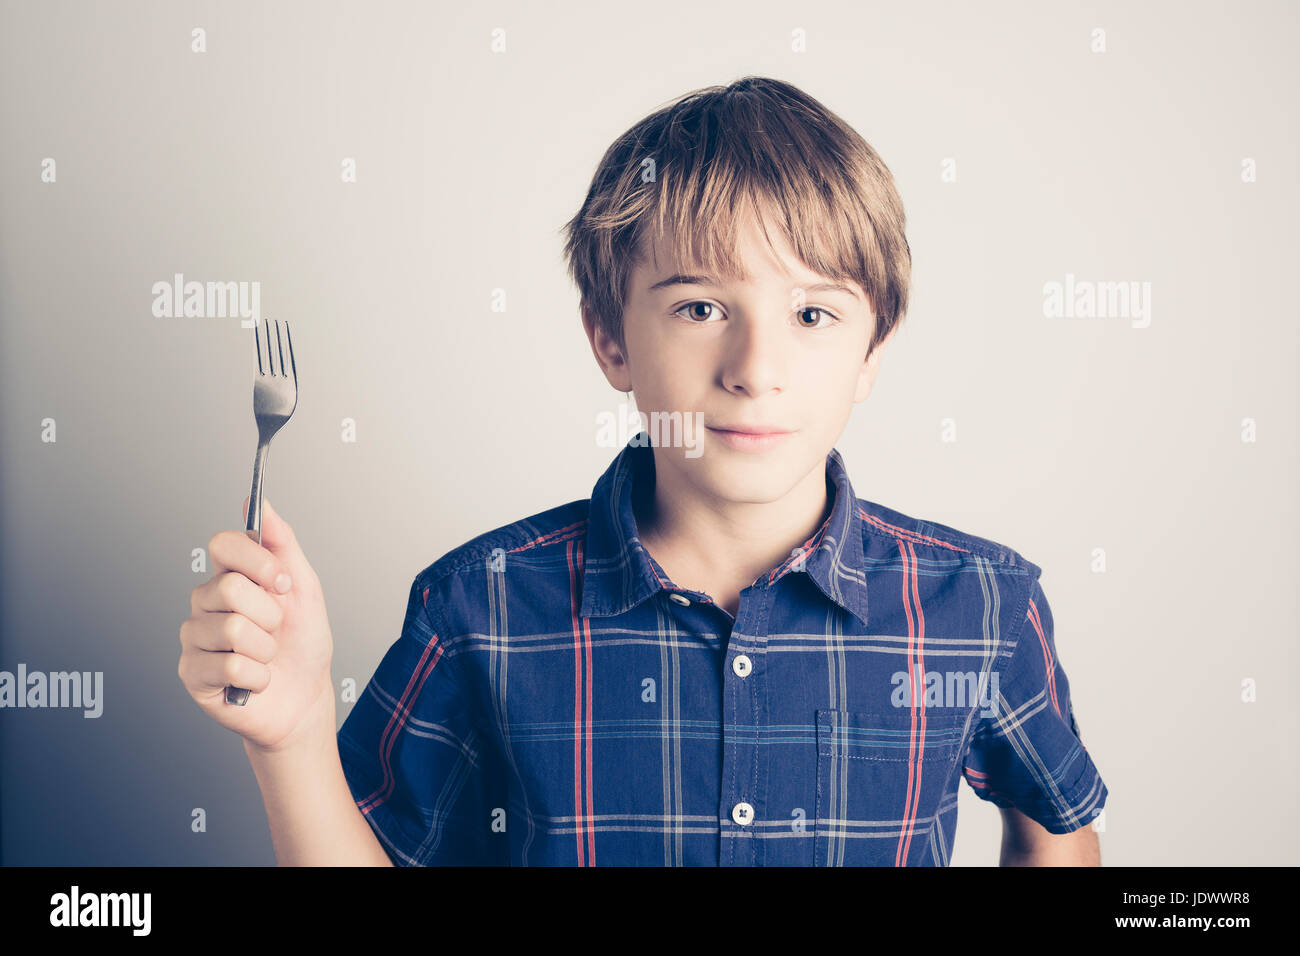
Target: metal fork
[{"x": 275, "y": 396}]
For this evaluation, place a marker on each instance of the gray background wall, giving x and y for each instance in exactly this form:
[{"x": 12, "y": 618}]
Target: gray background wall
[{"x": 1072, "y": 434}]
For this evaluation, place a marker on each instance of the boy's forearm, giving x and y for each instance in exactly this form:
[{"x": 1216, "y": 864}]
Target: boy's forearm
[
  {"x": 1065, "y": 854},
  {"x": 1027, "y": 843},
  {"x": 314, "y": 820}
]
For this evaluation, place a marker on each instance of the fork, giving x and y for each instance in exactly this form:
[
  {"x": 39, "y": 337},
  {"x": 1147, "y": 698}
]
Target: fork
[{"x": 275, "y": 396}]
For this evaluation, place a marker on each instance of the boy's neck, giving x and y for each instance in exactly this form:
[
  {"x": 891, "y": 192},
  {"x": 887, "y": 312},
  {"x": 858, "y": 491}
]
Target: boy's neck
[{"x": 721, "y": 548}]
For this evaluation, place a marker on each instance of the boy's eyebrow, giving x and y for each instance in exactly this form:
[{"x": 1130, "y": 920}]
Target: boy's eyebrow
[
  {"x": 682, "y": 279},
  {"x": 686, "y": 279}
]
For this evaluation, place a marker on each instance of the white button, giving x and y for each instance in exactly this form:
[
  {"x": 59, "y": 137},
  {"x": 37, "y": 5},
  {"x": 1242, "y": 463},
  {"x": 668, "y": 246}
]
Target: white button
[
  {"x": 680, "y": 599},
  {"x": 743, "y": 814},
  {"x": 741, "y": 665}
]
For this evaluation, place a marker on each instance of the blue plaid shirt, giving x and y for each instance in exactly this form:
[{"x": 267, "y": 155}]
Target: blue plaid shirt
[{"x": 554, "y": 699}]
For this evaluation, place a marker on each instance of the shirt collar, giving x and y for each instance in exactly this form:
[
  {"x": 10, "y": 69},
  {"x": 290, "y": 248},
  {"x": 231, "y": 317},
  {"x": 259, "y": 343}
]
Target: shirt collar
[{"x": 619, "y": 573}]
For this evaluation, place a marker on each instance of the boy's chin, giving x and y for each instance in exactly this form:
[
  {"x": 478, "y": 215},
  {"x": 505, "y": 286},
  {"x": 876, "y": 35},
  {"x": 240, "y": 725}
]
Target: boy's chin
[{"x": 748, "y": 477}]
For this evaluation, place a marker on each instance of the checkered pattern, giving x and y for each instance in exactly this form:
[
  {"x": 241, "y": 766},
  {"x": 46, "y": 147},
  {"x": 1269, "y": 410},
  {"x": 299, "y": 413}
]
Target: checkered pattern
[{"x": 554, "y": 699}]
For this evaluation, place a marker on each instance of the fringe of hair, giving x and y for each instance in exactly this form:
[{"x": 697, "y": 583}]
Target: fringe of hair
[{"x": 688, "y": 173}]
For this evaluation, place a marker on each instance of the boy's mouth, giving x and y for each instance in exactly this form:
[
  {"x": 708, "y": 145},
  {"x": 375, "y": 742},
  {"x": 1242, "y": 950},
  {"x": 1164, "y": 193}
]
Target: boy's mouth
[
  {"x": 750, "y": 437},
  {"x": 751, "y": 429}
]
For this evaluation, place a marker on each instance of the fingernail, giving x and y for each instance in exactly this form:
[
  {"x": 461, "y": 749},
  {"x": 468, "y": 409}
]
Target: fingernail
[{"x": 283, "y": 583}]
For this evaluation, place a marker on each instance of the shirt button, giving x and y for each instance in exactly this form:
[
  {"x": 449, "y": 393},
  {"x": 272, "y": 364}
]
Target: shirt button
[
  {"x": 681, "y": 599},
  {"x": 741, "y": 665},
  {"x": 743, "y": 814}
]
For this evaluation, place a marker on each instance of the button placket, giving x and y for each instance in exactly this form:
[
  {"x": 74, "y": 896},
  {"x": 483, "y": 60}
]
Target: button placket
[{"x": 741, "y": 733}]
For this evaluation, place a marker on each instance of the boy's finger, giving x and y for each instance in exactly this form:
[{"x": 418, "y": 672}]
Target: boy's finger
[
  {"x": 235, "y": 551},
  {"x": 279, "y": 539}
]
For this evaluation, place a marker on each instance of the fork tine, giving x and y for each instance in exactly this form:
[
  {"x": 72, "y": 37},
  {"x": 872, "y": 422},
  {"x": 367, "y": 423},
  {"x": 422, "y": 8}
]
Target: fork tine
[
  {"x": 270, "y": 352},
  {"x": 292, "y": 364},
  {"x": 257, "y": 344},
  {"x": 279, "y": 345}
]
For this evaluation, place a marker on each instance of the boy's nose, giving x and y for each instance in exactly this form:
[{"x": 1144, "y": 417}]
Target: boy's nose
[{"x": 754, "y": 359}]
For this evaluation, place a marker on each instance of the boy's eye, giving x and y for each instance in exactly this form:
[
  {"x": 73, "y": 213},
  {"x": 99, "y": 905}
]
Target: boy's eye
[
  {"x": 701, "y": 318},
  {"x": 830, "y": 315},
  {"x": 693, "y": 316}
]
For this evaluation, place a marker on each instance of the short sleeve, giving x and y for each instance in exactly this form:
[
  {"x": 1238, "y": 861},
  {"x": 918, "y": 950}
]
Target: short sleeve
[
  {"x": 411, "y": 756},
  {"x": 1028, "y": 753}
]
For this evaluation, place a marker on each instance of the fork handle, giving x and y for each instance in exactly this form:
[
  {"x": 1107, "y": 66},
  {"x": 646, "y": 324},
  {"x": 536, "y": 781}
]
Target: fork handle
[{"x": 239, "y": 695}]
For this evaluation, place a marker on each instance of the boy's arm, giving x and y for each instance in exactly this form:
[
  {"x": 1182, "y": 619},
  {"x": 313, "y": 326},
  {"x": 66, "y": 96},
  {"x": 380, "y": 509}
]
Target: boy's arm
[
  {"x": 1027, "y": 843},
  {"x": 1027, "y": 756},
  {"x": 313, "y": 818},
  {"x": 415, "y": 753}
]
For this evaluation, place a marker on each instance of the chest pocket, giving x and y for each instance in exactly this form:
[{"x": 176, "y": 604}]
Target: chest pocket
[{"x": 881, "y": 783}]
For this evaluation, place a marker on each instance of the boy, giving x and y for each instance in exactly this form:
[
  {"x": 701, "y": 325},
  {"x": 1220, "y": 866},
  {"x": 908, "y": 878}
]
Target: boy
[{"x": 724, "y": 657}]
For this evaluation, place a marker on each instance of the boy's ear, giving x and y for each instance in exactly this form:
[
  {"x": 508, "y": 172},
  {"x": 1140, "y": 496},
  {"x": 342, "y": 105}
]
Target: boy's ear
[
  {"x": 867, "y": 377},
  {"x": 608, "y": 355}
]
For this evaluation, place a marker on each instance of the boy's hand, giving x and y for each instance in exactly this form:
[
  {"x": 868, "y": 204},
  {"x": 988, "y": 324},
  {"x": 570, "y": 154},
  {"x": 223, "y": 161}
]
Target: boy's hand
[{"x": 242, "y": 631}]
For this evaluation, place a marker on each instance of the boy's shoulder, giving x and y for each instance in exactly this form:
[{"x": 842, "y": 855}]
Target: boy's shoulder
[
  {"x": 886, "y": 527},
  {"x": 550, "y": 528}
]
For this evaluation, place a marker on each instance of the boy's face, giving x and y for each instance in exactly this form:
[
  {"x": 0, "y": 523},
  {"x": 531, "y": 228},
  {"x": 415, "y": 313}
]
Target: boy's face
[{"x": 743, "y": 354}]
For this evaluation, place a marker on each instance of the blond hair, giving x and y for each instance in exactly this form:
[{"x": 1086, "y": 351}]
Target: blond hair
[{"x": 689, "y": 171}]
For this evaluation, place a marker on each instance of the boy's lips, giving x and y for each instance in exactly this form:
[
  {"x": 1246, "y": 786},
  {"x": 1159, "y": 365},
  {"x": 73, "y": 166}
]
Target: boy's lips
[
  {"x": 751, "y": 429},
  {"x": 750, "y": 437}
]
